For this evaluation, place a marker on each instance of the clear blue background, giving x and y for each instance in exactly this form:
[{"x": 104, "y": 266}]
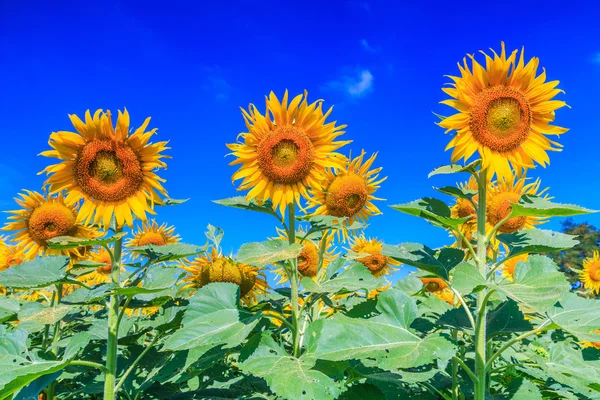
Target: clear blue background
[{"x": 191, "y": 64}]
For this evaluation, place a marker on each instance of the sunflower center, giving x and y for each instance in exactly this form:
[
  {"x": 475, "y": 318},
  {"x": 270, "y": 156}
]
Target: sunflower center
[
  {"x": 50, "y": 220},
  {"x": 375, "y": 262},
  {"x": 247, "y": 284},
  {"x": 308, "y": 260},
  {"x": 13, "y": 260},
  {"x": 500, "y": 118},
  {"x": 464, "y": 208},
  {"x": 432, "y": 287},
  {"x": 105, "y": 269},
  {"x": 500, "y": 207},
  {"x": 222, "y": 270},
  {"x": 595, "y": 271},
  {"x": 286, "y": 155},
  {"x": 108, "y": 171},
  {"x": 346, "y": 195},
  {"x": 154, "y": 238}
]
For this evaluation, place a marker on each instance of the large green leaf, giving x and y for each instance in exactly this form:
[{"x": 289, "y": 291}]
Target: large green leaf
[
  {"x": 40, "y": 272},
  {"x": 8, "y": 308},
  {"x": 269, "y": 252},
  {"x": 357, "y": 277},
  {"x": 170, "y": 202},
  {"x": 537, "y": 241},
  {"x": 537, "y": 284},
  {"x": 506, "y": 318},
  {"x": 533, "y": 206},
  {"x": 455, "y": 168},
  {"x": 33, "y": 317},
  {"x": 466, "y": 278},
  {"x": 578, "y": 316},
  {"x": 157, "y": 280},
  {"x": 169, "y": 252},
  {"x": 433, "y": 210},
  {"x": 422, "y": 257},
  {"x": 325, "y": 222},
  {"x": 69, "y": 242},
  {"x": 288, "y": 377},
  {"x": 213, "y": 318},
  {"x": 242, "y": 203},
  {"x": 385, "y": 337},
  {"x": 522, "y": 389}
]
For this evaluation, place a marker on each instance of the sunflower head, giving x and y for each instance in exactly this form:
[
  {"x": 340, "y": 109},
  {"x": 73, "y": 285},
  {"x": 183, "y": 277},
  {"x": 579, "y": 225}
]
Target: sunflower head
[
  {"x": 286, "y": 150},
  {"x": 106, "y": 167},
  {"x": 43, "y": 217},
  {"x": 102, "y": 273},
  {"x": 508, "y": 267},
  {"x": 152, "y": 233},
  {"x": 377, "y": 263},
  {"x": 10, "y": 255},
  {"x": 215, "y": 267},
  {"x": 439, "y": 288},
  {"x": 348, "y": 192},
  {"x": 504, "y": 113},
  {"x": 501, "y": 197},
  {"x": 590, "y": 275}
]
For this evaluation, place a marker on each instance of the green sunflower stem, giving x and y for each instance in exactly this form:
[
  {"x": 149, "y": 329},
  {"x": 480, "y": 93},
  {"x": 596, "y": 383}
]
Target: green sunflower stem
[
  {"x": 110, "y": 375},
  {"x": 294, "y": 280},
  {"x": 480, "y": 328}
]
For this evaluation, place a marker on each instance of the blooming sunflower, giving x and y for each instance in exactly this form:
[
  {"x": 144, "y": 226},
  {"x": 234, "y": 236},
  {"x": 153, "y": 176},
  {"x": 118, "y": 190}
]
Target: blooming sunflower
[
  {"x": 111, "y": 170},
  {"x": 214, "y": 267},
  {"x": 500, "y": 199},
  {"x": 595, "y": 345},
  {"x": 152, "y": 233},
  {"x": 377, "y": 263},
  {"x": 286, "y": 150},
  {"x": 308, "y": 259},
  {"x": 102, "y": 274},
  {"x": 590, "y": 275},
  {"x": 508, "y": 267},
  {"x": 43, "y": 217},
  {"x": 505, "y": 112},
  {"x": 10, "y": 255},
  {"x": 349, "y": 191},
  {"x": 439, "y": 288}
]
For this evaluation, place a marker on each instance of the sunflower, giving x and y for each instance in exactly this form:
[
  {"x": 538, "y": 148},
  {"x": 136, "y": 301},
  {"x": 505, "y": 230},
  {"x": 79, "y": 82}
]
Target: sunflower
[
  {"x": 152, "y": 233},
  {"x": 102, "y": 274},
  {"x": 214, "y": 267},
  {"x": 595, "y": 345},
  {"x": 439, "y": 288},
  {"x": 286, "y": 150},
  {"x": 590, "y": 275},
  {"x": 10, "y": 255},
  {"x": 348, "y": 192},
  {"x": 109, "y": 169},
  {"x": 505, "y": 112},
  {"x": 44, "y": 217},
  {"x": 308, "y": 259},
  {"x": 501, "y": 197},
  {"x": 508, "y": 267},
  {"x": 377, "y": 263}
]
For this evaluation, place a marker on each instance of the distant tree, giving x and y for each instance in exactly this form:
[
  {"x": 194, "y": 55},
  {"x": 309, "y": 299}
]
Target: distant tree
[{"x": 589, "y": 241}]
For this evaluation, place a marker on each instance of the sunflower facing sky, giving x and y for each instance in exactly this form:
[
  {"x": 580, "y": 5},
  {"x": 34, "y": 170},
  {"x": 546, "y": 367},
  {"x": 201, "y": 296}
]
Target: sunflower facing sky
[
  {"x": 152, "y": 233},
  {"x": 286, "y": 150},
  {"x": 377, "y": 263},
  {"x": 108, "y": 168},
  {"x": 349, "y": 191},
  {"x": 590, "y": 275},
  {"x": 44, "y": 217},
  {"x": 215, "y": 267},
  {"x": 505, "y": 112}
]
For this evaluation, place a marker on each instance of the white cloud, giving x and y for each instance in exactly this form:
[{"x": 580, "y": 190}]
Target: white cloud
[
  {"x": 365, "y": 45},
  {"x": 355, "y": 86}
]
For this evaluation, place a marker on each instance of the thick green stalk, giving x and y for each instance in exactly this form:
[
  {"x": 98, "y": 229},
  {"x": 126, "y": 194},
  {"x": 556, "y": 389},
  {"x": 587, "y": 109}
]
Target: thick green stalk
[
  {"x": 55, "y": 338},
  {"x": 110, "y": 376},
  {"x": 454, "y": 335},
  {"x": 294, "y": 280},
  {"x": 480, "y": 333}
]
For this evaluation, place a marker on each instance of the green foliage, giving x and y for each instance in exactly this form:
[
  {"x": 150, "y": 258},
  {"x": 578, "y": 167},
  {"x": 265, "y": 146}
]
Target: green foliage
[
  {"x": 537, "y": 241},
  {"x": 437, "y": 262},
  {"x": 38, "y": 273},
  {"x": 269, "y": 252},
  {"x": 432, "y": 210}
]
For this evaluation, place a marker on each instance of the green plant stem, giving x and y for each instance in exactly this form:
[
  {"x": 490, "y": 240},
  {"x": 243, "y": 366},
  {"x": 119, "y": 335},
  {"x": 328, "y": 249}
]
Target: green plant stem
[
  {"x": 480, "y": 328},
  {"x": 466, "y": 368},
  {"x": 454, "y": 335},
  {"x": 466, "y": 307},
  {"x": 113, "y": 326},
  {"x": 135, "y": 363},
  {"x": 464, "y": 240},
  {"x": 281, "y": 318},
  {"x": 55, "y": 337},
  {"x": 89, "y": 364},
  {"x": 294, "y": 280}
]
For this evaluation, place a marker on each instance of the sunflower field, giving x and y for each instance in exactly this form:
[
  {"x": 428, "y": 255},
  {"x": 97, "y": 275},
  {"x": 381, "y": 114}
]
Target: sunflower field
[{"x": 99, "y": 301}]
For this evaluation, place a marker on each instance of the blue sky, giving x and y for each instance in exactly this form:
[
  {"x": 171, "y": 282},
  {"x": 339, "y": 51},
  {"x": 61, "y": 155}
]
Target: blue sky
[{"x": 191, "y": 64}]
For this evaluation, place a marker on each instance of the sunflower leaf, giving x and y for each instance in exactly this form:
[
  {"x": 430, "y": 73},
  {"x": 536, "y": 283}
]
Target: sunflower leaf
[
  {"x": 213, "y": 318},
  {"x": 8, "y": 308},
  {"x": 466, "y": 278},
  {"x": 457, "y": 192},
  {"x": 252, "y": 205},
  {"x": 422, "y": 257},
  {"x": 432, "y": 210},
  {"x": 288, "y": 377},
  {"x": 169, "y": 252},
  {"x": 170, "y": 202},
  {"x": 537, "y": 241},
  {"x": 578, "y": 316},
  {"x": 455, "y": 168},
  {"x": 533, "y": 206},
  {"x": 33, "y": 317},
  {"x": 69, "y": 242},
  {"x": 506, "y": 318},
  {"x": 40, "y": 272},
  {"x": 157, "y": 280},
  {"x": 269, "y": 252},
  {"x": 385, "y": 337},
  {"x": 325, "y": 222},
  {"x": 357, "y": 277},
  {"x": 522, "y": 389},
  {"x": 537, "y": 284}
]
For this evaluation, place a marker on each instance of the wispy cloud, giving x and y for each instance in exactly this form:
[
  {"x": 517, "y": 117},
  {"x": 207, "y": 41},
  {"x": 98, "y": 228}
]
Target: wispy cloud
[
  {"x": 356, "y": 85},
  {"x": 365, "y": 45}
]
